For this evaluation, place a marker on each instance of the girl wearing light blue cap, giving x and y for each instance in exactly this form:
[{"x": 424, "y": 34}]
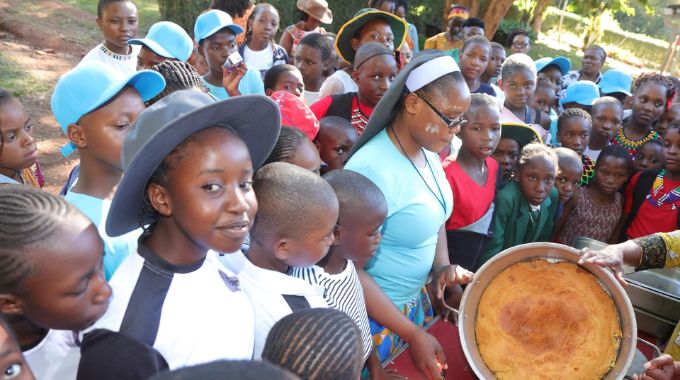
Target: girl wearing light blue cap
[
  {"x": 95, "y": 105},
  {"x": 165, "y": 41}
]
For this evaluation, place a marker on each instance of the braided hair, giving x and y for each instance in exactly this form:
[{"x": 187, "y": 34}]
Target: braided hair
[
  {"x": 659, "y": 79},
  {"x": 178, "y": 76},
  {"x": 572, "y": 113},
  {"x": 316, "y": 344},
  {"x": 286, "y": 145},
  {"x": 249, "y": 24},
  {"x": 29, "y": 218}
]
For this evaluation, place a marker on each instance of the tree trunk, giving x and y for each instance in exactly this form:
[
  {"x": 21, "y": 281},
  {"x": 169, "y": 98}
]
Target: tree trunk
[
  {"x": 493, "y": 14},
  {"x": 537, "y": 20}
]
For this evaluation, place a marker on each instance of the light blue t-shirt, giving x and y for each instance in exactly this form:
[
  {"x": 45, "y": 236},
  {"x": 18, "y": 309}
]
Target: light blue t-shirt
[
  {"x": 251, "y": 84},
  {"x": 414, "y": 216},
  {"x": 116, "y": 248},
  {"x": 553, "y": 128}
]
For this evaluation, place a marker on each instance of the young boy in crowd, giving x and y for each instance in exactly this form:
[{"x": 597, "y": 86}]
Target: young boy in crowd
[
  {"x": 164, "y": 41},
  {"x": 188, "y": 166},
  {"x": 573, "y": 132},
  {"x": 650, "y": 156},
  {"x": 567, "y": 182},
  {"x": 525, "y": 209},
  {"x": 284, "y": 78},
  {"x": 215, "y": 33},
  {"x": 96, "y": 105},
  {"x": 551, "y": 70},
  {"x": 671, "y": 115},
  {"x": 514, "y": 136},
  {"x": 118, "y": 22},
  {"x": 313, "y": 59},
  {"x": 518, "y": 84},
  {"x": 374, "y": 70},
  {"x": 335, "y": 139},
  {"x": 607, "y": 119},
  {"x": 294, "y": 227},
  {"x": 493, "y": 70},
  {"x": 544, "y": 98},
  {"x": 363, "y": 210}
]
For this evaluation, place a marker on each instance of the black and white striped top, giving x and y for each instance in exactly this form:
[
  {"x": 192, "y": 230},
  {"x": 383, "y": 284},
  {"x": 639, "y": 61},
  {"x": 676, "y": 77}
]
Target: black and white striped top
[{"x": 343, "y": 292}]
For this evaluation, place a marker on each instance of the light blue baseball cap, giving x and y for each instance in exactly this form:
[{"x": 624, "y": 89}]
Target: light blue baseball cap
[
  {"x": 562, "y": 63},
  {"x": 88, "y": 86},
  {"x": 168, "y": 40},
  {"x": 583, "y": 92},
  {"x": 212, "y": 22},
  {"x": 616, "y": 81}
]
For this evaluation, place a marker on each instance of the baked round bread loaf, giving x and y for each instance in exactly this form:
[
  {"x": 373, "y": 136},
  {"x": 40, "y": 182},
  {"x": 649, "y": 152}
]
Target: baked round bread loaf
[{"x": 543, "y": 320}]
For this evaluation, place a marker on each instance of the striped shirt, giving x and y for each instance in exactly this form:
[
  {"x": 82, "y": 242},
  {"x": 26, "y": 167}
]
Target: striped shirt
[{"x": 343, "y": 292}]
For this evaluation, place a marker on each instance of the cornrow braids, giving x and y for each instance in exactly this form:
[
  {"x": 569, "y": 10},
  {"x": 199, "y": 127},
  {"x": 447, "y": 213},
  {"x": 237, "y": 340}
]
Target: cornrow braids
[
  {"x": 659, "y": 79},
  {"x": 534, "y": 150},
  {"x": 316, "y": 344},
  {"x": 572, "y": 113},
  {"x": 29, "y": 218},
  {"x": 178, "y": 76},
  {"x": 286, "y": 145},
  {"x": 251, "y": 19}
]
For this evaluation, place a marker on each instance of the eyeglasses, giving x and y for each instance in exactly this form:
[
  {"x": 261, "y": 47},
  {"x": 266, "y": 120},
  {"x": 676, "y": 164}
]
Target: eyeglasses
[{"x": 451, "y": 123}]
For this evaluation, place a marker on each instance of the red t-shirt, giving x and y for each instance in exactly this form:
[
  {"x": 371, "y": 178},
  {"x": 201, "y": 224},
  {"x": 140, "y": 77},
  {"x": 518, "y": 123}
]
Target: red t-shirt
[
  {"x": 470, "y": 201},
  {"x": 651, "y": 218},
  {"x": 358, "y": 113}
]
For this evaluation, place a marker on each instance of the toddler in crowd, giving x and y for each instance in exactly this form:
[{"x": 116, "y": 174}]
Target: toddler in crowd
[
  {"x": 294, "y": 227},
  {"x": 313, "y": 13},
  {"x": 296, "y": 148},
  {"x": 606, "y": 117},
  {"x": 164, "y": 41},
  {"x": 573, "y": 132},
  {"x": 652, "y": 96},
  {"x": 188, "y": 163},
  {"x": 568, "y": 179},
  {"x": 215, "y": 33},
  {"x": 474, "y": 57},
  {"x": 367, "y": 25},
  {"x": 18, "y": 148},
  {"x": 313, "y": 59},
  {"x": 650, "y": 156},
  {"x": 473, "y": 177},
  {"x": 51, "y": 278},
  {"x": 652, "y": 199},
  {"x": 259, "y": 50},
  {"x": 363, "y": 210},
  {"x": 118, "y": 22},
  {"x": 12, "y": 363},
  {"x": 335, "y": 139},
  {"x": 525, "y": 209},
  {"x": 599, "y": 205},
  {"x": 96, "y": 107},
  {"x": 300, "y": 342},
  {"x": 671, "y": 115},
  {"x": 518, "y": 84},
  {"x": 284, "y": 77},
  {"x": 374, "y": 70}
]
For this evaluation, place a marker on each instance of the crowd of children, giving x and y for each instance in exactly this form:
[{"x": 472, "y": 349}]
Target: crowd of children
[{"x": 309, "y": 204}]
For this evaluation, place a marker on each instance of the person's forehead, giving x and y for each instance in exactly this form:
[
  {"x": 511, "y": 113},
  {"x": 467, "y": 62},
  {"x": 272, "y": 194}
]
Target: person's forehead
[
  {"x": 521, "y": 74},
  {"x": 593, "y": 51},
  {"x": 377, "y": 24},
  {"x": 607, "y": 108},
  {"x": 221, "y": 36}
]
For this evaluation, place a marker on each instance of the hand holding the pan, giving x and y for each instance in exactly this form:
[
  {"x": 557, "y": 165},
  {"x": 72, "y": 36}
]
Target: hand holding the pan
[
  {"x": 613, "y": 257},
  {"x": 450, "y": 275},
  {"x": 661, "y": 368}
]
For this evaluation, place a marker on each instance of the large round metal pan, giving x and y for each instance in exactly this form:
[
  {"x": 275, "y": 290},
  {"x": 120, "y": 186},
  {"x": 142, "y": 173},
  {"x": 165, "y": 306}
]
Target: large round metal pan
[{"x": 550, "y": 251}]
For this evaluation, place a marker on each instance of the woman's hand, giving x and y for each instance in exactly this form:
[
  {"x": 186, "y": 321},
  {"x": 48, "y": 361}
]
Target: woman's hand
[
  {"x": 231, "y": 80},
  {"x": 610, "y": 257},
  {"x": 661, "y": 368},
  {"x": 449, "y": 275}
]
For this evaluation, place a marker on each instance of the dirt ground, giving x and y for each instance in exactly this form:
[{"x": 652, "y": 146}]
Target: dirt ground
[{"x": 44, "y": 39}]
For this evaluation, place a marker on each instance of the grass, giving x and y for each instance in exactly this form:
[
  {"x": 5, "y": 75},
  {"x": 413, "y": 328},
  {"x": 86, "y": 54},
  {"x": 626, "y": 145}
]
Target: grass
[
  {"x": 18, "y": 82},
  {"x": 148, "y": 11}
]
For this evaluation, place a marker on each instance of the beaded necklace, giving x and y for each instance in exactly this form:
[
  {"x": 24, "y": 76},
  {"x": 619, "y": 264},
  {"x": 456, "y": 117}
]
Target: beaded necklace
[
  {"x": 633, "y": 145},
  {"x": 658, "y": 199}
]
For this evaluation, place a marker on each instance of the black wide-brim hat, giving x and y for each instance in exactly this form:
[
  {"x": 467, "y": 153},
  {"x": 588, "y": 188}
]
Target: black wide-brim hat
[
  {"x": 166, "y": 124},
  {"x": 519, "y": 132}
]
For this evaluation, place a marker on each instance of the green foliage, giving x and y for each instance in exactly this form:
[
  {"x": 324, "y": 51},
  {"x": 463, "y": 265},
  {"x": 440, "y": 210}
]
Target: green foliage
[
  {"x": 647, "y": 20},
  {"x": 182, "y": 12},
  {"x": 507, "y": 26}
]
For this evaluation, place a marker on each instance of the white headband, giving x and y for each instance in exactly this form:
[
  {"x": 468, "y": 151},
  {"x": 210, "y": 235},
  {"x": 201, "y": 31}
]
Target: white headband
[{"x": 430, "y": 71}]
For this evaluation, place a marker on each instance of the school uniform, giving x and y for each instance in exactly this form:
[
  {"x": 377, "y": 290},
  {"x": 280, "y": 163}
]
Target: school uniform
[
  {"x": 126, "y": 64},
  {"x": 190, "y": 314},
  {"x": 516, "y": 223},
  {"x": 274, "y": 295},
  {"x": 55, "y": 357},
  {"x": 343, "y": 292}
]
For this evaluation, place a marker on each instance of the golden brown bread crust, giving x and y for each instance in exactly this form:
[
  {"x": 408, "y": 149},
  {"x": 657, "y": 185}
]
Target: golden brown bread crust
[{"x": 542, "y": 320}]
